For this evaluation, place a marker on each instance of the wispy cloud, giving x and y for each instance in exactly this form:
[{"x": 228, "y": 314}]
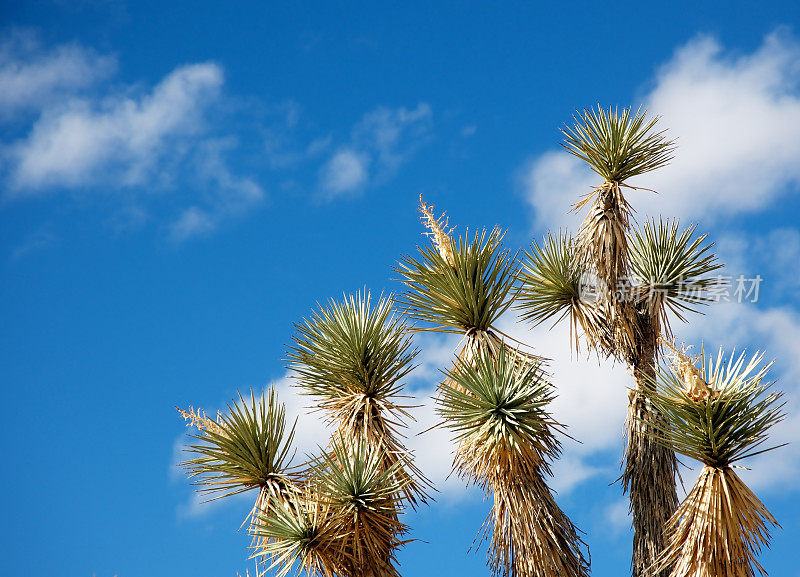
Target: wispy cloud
[
  {"x": 33, "y": 76},
  {"x": 117, "y": 138},
  {"x": 737, "y": 120},
  {"x": 39, "y": 240},
  {"x": 345, "y": 172},
  {"x": 379, "y": 144},
  {"x": 85, "y": 133},
  {"x": 232, "y": 195}
]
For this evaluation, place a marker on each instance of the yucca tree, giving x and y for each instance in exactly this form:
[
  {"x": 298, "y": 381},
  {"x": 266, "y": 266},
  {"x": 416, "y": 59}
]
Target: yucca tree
[
  {"x": 339, "y": 514},
  {"x": 718, "y": 414},
  {"x": 506, "y": 438},
  {"x": 464, "y": 287},
  {"x": 618, "y": 288}
]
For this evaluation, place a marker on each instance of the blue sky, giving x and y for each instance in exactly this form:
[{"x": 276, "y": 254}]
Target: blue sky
[{"x": 181, "y": 182}]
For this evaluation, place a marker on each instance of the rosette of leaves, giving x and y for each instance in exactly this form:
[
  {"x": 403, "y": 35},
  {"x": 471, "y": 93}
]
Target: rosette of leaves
[
  {"x": 352, "y": 357},
  {"x": 299, "y": 536},
  {"x": 248, "y": 447},
  {"x": 461, "y": 286},
  {"x": 617, "y": 146},
  {"x": 345, "y": 523},
  {"x": 497, "y": 410},
  {"x": 718, "y": 414}
]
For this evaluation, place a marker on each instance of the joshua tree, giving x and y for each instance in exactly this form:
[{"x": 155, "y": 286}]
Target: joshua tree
[
  {"x": 494, "y": 399},
  {"x": 717, "y": 414},
  {"x": 339, "y": 514},
  {"x": 618, "y": 287}
]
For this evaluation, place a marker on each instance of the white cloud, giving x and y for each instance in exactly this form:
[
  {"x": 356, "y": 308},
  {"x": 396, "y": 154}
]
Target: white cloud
[
  {"x": 345, "y": 172},
  {"x": 392, "y": 135},
  {"x": 39, "y": 240},
  {"x": 737, "y": 121},
  {"x": 119, "y": 139},
  {"x": 552, "y": 183},
  {"x": 232, "y": 194},
  {"x": 126, "y": 141},
  {"x": 193, "y": 221},
  {"x": 33, "y": 76},
  {"x": 379, "y": 144},
  {"x": 772, "y": 255}
]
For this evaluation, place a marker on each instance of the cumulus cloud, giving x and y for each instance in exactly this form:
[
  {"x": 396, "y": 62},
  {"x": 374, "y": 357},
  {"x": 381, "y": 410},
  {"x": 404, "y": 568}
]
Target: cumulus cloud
[
  {"x": 379, "y": 144},
  {"x": 737, "y": 121}
]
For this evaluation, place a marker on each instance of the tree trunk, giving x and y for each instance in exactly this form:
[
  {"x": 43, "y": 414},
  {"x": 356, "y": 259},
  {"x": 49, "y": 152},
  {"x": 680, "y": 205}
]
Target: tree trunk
[{"x": 649, "y": 468}]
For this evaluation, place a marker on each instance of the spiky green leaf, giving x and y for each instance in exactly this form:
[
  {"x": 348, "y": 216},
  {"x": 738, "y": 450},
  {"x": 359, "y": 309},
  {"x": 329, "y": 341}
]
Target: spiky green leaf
[{"x": 671, "y": 269}]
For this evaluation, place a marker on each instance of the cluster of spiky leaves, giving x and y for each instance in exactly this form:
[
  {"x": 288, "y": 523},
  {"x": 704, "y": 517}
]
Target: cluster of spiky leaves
[
  {"x": 297, "y": 536},
  {"x": 344, "y": 523},
  {"x": 618, "y": 145},
  {"x": 669, "y": 273},
  {"x": 671, "y": 270},
  {"x": 718, "y": 413},
  {"x": 497, "y": 409},
  {"x": 472, "y": 293},
  {"x": 247, "y": 448},
  {"x": 351, "y": 357},
  {"x": 556, "y": 284},
  {"x": 463, "y": 291}
]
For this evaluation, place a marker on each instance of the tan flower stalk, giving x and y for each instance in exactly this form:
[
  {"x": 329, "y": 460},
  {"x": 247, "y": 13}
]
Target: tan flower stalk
[
  {"x": 198, "y": 419},
  {"x": 437, "y": 231}
]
